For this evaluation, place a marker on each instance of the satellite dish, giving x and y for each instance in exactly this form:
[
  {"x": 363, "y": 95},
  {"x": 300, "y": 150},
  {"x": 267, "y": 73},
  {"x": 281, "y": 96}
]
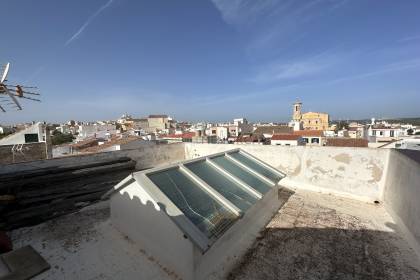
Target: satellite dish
[{"x": 14, "y": 92}]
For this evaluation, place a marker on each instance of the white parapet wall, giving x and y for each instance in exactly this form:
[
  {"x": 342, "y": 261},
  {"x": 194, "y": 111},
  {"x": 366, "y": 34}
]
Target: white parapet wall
[
  {"x": 146, "y": 157},
  {"x": 384, "y": 175},
  {"x": 402, "y": 196},
  {"x": 352, "y": 172}
]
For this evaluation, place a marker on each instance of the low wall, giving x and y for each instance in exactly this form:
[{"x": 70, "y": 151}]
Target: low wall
[
  {"x": 28, "y": 152},
  {"x": 402, "y": 194},
  {"x": 145, "y": 157},
  {"x": 32, "y": 192},
  {"x": 358, "y": 172}
]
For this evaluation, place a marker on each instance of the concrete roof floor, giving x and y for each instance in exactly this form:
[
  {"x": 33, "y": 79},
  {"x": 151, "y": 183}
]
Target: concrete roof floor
[
  {"x": 313, "y": 236},
  {"x": 318, "y": 236}
]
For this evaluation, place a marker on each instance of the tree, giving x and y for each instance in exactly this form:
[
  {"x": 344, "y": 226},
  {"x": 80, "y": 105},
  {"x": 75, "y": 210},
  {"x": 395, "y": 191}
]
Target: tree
[
  {"x": 341, "y": 125},
  {"x": 59, "y": 138},
  {"x": 2, "y": 135},
  {"x": 410, "y": 131},
  {"x": 119, "y": 127}
]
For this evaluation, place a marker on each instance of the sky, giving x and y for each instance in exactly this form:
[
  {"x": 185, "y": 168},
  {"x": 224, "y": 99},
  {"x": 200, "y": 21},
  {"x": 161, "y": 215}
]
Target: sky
[{"x": 213, "y": 60}]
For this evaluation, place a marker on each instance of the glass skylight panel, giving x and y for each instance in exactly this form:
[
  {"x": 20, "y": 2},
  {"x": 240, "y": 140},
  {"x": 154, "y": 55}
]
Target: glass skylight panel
[
  {"x": 239, "y": 172},
  {"x": 204, "y": 211},
  {"x": 230, "y": 190},
  {"x": 266, "y": 172}
]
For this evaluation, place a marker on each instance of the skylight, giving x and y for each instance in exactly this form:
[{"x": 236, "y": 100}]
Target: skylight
[
  {"x": 198, "y": 217},
  {"x": 211, "y": 192}
]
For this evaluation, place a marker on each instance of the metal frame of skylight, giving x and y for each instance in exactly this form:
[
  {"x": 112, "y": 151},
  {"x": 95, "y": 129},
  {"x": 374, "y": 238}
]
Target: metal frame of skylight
[
  {"x": 187, "y": 226},
  {"x": 260, "y": 162}
]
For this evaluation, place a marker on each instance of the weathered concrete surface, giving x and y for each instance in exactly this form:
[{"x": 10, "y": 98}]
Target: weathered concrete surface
[
  {"x": 402, "y": 194},
  {"x": 357, "y": 172},
  {"x": 29, "y": 152},
  {"x": 317, "y": 236},
  {"x": 85, "y": 246},
  {"x": 313, "y": 236}
]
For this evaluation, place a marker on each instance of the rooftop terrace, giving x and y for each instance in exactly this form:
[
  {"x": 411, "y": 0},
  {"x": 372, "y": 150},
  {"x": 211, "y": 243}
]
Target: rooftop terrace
[{"x": 329, "y": 227}]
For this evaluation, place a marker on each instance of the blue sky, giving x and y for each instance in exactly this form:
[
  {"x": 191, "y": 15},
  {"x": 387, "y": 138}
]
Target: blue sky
[{"x": 213, "y": 60}]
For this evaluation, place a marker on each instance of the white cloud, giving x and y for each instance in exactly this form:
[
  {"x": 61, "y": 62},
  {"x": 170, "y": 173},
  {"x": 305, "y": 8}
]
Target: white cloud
[
  {"x": 410, "y": 38},
  {"x": 86, "y": 24},
  {"x": 239, "y": 12},
  {"x": 389, "y": 68},
  {"x": 273, "y": 19},
  {"x": 289, "y": 71},
  {"x": 280, "y": 70}
]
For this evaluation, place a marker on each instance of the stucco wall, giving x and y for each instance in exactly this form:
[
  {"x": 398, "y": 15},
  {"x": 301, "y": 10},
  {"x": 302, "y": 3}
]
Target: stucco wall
[
  {"x": 358, "y": 172},
  {"x": 19, "y": 137},
  {"x": 402, "y": 195}
]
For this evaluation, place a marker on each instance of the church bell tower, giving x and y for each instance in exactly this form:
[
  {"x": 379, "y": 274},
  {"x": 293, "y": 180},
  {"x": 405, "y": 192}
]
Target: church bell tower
[{"x": 297, "y": 111}]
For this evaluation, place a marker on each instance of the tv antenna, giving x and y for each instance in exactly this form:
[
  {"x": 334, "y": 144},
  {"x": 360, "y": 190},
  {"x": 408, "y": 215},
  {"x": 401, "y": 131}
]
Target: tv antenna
[{"x": 10, "y": 94}]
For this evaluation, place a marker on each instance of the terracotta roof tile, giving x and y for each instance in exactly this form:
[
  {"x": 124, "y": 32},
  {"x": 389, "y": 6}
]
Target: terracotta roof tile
[
  {"x": 273, "y": 129},
  {"x": 186, "y": 135},
  {"x": 285, "y": 137},
  {"x": 309, "y": 133},
  {"x": 347, "y": 142}
]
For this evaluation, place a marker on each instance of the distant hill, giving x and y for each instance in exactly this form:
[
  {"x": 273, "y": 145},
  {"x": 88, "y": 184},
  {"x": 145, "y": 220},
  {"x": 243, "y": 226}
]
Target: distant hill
[{"x": 413, "y": 121}]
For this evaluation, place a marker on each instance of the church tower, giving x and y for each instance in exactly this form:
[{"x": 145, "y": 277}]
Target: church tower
[{"x": 297, "y": 111}]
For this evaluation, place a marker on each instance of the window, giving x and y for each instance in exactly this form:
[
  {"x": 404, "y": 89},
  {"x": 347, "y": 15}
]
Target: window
[
  {"x": 255, "y": 166},
  {"x": 391, "y": 133},
  {"x": 31, "y": 138},
  {"x": 315, "y": 140},
  {"x": 305, "y": 140},
  {"x": 247, "y": 177},
  {"x": 198, "y": 206},
  {"x": 228, "y": 188}
]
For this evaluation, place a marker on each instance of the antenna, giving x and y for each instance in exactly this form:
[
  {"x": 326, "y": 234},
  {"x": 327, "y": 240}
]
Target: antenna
[
  {"x": 5, "y": 72},
  {"x": 13, "y": 98},
  {"x": 14, "y": 92}
]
